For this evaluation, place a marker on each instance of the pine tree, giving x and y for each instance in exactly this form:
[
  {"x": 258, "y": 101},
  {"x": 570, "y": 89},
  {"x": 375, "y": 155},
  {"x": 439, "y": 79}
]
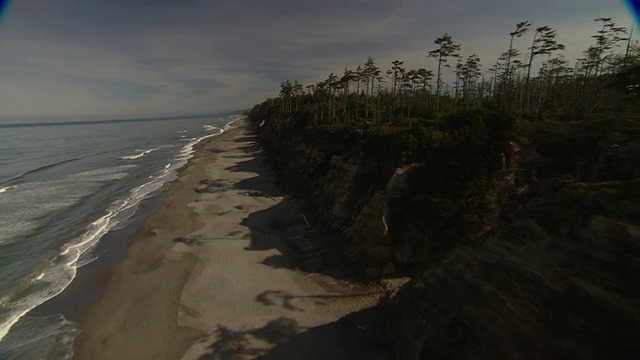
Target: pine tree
[{"x": 446, "y": 48}]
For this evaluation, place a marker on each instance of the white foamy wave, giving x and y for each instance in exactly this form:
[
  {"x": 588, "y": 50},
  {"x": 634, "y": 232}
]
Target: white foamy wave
[
  {"x": 104, "y": 174},
  {"x": 36, "y": 335},
  {"x": 15, "y": 228},
  {"x": 140, "y": 153},
  {"x": 207, "y": 127},
  {"x": 4, "y": 189},
  {"x": 55, "y": 277},
  {"x": 235, "y": 118},
  {"x": 62, "y": 270},
  {"x": 181, "y": 132},
  {"x": 50, "y": 197}
]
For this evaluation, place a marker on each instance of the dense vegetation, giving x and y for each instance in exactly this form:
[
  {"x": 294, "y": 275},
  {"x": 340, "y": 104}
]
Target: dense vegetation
[
  {"x": 478, "y": 152},
  {"x": 559, "y": 90}
]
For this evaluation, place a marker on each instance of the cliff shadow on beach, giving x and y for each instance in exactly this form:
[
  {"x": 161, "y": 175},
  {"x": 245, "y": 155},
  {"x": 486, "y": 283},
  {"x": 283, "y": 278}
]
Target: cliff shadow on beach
[
  {"x": 300, "y": 247},
  {"x": 284, "y": 226},
  {"x": 355, "y": 336}
]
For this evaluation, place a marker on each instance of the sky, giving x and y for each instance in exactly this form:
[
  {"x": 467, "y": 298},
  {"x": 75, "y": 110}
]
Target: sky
[{"x": 121, "y": 58}]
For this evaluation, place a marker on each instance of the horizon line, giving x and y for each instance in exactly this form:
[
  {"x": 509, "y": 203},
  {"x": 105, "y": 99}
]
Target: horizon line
[{"x": 115, "y": 120}]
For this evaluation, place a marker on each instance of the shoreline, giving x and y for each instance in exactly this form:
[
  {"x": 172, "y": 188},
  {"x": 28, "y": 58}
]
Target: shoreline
[{"x": 210, "y": 264}]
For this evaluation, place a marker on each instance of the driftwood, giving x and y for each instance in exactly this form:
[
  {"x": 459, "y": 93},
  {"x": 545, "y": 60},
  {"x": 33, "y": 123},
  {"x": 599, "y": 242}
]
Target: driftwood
[
  {"x": 256, "y": 193},
  {"x": 306, "y": 221}
]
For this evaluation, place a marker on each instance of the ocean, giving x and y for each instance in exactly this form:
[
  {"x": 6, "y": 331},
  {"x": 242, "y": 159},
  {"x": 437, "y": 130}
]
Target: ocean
[{"x": 65, "y": 186}]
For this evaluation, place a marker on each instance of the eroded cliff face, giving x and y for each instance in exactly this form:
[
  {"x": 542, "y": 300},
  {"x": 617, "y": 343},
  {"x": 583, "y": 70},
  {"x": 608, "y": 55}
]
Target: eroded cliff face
[
  {"x": 535, "y": 257},
  {"x": 526, "y": 293},
  {"x": 347, "y": 200},
  {"x": 392, "y": 213}
]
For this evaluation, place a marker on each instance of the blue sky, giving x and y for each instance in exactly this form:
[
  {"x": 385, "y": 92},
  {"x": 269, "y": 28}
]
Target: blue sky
[{"x": 106, "y": 58}]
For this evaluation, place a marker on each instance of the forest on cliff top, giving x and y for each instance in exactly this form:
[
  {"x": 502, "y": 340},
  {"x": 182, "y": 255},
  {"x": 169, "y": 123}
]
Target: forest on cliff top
[{"x": 480, "y": 149}]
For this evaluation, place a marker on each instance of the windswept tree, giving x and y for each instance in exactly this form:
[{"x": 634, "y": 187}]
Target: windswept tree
[
  {"x": 297, "y": 90},
  {"x": 544, "y": 43},
  {"x": 369, "y": 72},
  {"x": 346, "y": 79},
  {"x": 286, "y": 94},
  {"x": 396, "y": 75},
  {"x": 593, "y": 65},
  {"x": 469, "y": 72},
  {"x": 508, "y": 57},
  {"x": 553, "y": 76},
  {"x": 543, "y": 84},
  {"x": 446, "y": 49},
  {"x": 607, "y": 38},
  {"x": 423, "y": 79}
]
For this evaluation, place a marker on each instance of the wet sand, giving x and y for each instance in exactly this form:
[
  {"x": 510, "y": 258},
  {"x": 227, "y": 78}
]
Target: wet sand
[{"x": 208, "y": 277}]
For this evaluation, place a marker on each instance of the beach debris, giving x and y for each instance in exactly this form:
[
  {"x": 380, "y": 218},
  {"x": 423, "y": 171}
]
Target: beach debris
[
  {"x": 209, "y": 186},
  {"x": 260, "y": 230},
  {"x": 188, "y": 240},
  {"x": 256, "y": 193},
  {"x": 306, "y": 221}
]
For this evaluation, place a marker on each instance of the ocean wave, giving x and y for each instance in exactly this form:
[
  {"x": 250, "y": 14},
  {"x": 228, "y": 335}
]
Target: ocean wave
[
  {"x": 35, "y": 336},
  {"x": 207, "y": 127},
  {"x": 61, "y": 270},
  {"x": 51, "y": 197},
  {"x": 103, "y": 175},
  {"x": 43, "y": 167},
  {"x": 140, "y": 153},
  {"x": 56, "y": 276},
  {"x": 4, "y": 189},
  {"x": 235, "y": 118}
]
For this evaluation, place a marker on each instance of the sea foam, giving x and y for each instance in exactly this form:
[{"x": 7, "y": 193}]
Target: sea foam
[{"x": 139, "y": 154}]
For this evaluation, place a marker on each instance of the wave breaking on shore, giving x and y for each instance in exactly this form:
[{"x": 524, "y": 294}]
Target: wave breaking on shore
[{"x": 53, "y": 278}]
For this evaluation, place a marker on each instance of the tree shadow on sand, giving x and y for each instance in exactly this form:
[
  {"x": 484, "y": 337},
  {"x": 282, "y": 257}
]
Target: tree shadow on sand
[
  {"x": 359, "y": 335},
  {"x": 294, "y": 302},
  {"x": 250, "y": 344}
]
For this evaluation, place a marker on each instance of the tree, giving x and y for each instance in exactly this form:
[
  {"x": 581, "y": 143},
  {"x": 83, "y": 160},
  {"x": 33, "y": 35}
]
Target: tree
[
  {"x": 446, "y": 48},
  {"x": 347, "y": 77},
  {"x": 608, "y": 37},
  {"x": 297, "y": 90},
  {"x": 544, "y": 43},
  {"x": 397, "y": 74},
  {"x": 552, "y": 74},
  {"x": 286, "y": 92},
  {"x": 469, "y": 73},
  {"x": 593, "y": 64},
  {"x": 521, "y": 28},
  {"x": 370, "y": 73}
]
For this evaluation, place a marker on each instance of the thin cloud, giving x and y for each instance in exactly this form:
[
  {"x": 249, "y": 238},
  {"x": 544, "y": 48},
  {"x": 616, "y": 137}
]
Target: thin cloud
[{"x": 103, "y": 57}]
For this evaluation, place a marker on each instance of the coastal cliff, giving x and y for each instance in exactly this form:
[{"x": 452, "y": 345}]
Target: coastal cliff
[
  {"x": 521, "y": 238},
  {"x": 527, "y": 293}
]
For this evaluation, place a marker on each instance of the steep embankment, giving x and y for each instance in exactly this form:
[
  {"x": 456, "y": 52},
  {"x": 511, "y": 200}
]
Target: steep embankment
[
  {"x": 529, "y": 292},
  {"x": 402, "y": 197},
  {"x": 523, "y": 240}
]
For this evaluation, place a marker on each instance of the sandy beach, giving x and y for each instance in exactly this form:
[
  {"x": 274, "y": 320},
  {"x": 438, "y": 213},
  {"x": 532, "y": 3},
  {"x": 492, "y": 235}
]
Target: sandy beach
[{"x": 208, "y": 277}]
